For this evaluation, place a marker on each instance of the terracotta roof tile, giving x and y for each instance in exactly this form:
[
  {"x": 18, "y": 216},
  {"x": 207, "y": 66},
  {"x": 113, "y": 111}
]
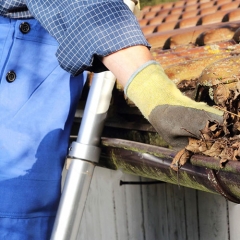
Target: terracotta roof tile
[
  {"x": 215, "y": 35},
  {"x": 230, "y": 6},
  {"x": 206, "y": 4},
  {"x": 146, "y": 9},
  {"x": 193, "y": 37},
  {"x": 188, "y": 8},
  {"x": 188, "y": 22},
  {"x": 170, "y": 5},
  {"x": 164, "y": 12},
  {"x": 203, "y": 1},
  {"x": 169, "y": 39},
  {"x": 156, "y": 7},
  {"x": 208, "y": 10},
  {"x": 221, "y": 2},
  {"x": 165, "y": 27},
  {"x": 176, "y": 10},
  {"x": 156, "y": 20},
  {"x": 179, "y": 4},
  {"x": 183, "y": 37},
  {"x": 172, "y": 18},
  {"x": 191, "y": 2},
  {"x": 188, "y": 14},
  {"x": 143, "y": 22},
  {"x": 149, "y": 29},
  {"x": 232, "y": 16},
  {"x": 212, "y": 18},
  {"x": 150, "y": 14}
]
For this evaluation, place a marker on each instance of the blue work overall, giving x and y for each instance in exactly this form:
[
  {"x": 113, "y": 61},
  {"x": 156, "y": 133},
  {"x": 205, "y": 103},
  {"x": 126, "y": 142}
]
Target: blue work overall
[{"x": 37, "y": 105}]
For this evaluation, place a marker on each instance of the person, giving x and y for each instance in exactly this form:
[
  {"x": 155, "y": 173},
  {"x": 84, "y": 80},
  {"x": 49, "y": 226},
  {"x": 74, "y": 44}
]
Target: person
[{"x": 45, "y": 46}]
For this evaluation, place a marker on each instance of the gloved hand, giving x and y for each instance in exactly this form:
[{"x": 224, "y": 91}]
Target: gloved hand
[{"x": 174, "y": 116}]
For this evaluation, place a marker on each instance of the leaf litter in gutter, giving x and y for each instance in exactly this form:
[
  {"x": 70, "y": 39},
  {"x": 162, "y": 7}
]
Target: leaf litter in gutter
[{"x": 221, "y": 141}]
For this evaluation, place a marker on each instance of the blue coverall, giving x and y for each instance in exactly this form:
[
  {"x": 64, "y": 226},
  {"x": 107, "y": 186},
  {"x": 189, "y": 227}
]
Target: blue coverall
[{"x": 37, "y": 103}]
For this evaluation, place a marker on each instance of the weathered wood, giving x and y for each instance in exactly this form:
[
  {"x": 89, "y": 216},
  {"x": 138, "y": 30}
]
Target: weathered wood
[
  {"x": 119, "y": 200},
  {"x": 98, "y": 217},
  {"x": 134, "y": 211},
  {"x": 155, "y": 211},
  {"x": 213, "y": 223},
  {"x": 176, "y": 212},
  {"x": 191, "y": 214},
  {"x": 112, "y": 211},
  {"x": 234, "y": 213}
]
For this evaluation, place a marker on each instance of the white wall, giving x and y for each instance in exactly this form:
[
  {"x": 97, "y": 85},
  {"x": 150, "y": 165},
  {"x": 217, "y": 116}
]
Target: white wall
[{"x": 154, "y": 212}]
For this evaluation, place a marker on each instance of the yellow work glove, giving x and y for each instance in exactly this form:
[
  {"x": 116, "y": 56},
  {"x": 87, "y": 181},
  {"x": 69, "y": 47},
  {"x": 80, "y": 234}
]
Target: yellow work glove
[{"x": 174, "y": 116}]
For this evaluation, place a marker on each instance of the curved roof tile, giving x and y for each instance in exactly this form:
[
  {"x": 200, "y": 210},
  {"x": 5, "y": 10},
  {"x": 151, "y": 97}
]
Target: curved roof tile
[{"x": 168, "y": 25}]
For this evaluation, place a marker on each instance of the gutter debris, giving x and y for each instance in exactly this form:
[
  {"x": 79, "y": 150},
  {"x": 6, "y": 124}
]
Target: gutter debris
[{"x": 220, "y": 141}]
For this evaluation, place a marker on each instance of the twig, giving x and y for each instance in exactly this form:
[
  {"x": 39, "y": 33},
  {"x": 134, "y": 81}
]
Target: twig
[
  {"x": 190, "y": 133},
  {"x": 224, "y": 110}
]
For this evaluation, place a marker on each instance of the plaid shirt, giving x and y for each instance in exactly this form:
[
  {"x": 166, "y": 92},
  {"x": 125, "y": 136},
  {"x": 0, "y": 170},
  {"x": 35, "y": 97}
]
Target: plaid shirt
[{"x": 84, "y": 29}]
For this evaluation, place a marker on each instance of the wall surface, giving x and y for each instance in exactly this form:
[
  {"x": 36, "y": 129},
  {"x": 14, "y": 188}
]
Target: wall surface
[{"x": 153, "y": 212}]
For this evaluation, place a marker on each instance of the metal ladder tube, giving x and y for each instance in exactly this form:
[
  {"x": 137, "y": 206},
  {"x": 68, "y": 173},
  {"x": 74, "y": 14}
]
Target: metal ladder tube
[{"x": 84, "y": 153}]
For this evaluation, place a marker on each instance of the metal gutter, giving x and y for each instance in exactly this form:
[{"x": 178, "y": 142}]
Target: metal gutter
[{"x": 202, "y": 173}]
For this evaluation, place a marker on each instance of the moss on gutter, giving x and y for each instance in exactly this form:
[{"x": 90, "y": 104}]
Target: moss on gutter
[
  {"x": 141, "y": 136},
  {"x": 233, "y": 189},
  {"x": 181, "y": 178}
]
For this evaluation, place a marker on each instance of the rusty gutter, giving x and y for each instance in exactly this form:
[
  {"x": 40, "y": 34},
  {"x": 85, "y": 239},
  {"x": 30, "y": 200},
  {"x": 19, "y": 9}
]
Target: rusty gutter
[{"x": 201, "y": 173}]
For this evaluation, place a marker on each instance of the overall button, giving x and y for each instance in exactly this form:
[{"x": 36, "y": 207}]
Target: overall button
[
  {"x": 11, "y": 76},
  {"x": 24, "y": 27}
]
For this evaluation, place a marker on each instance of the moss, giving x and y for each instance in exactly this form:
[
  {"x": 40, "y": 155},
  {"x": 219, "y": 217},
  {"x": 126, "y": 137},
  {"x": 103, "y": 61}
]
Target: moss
[
  {"x": 169, "y": 176},
  {"x": 214, "y": 49},
  {"x": 151, "y": 138},
  {"x": 234, "y": 190},
  {"x": 156, "y": 139},
  {"x": 206, "y": 164},
  {"x": 190, "y": 181}
]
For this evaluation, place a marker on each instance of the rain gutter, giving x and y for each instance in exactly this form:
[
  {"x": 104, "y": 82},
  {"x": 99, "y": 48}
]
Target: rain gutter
[{"x": 201, "y": 173}]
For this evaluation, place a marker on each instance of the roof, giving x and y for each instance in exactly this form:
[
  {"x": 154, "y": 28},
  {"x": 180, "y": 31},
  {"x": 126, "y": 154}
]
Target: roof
[
  {"x": 196, "y": 42},
  {"x": 181, "y": 23},
  {"x": 191, "y": 33}
]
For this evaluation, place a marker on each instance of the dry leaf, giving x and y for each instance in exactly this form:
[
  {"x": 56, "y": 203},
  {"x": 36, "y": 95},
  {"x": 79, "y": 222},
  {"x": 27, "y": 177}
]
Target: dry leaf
[
  {"x": 236, "y": 155},
  {"x": 193, "y": 145},
  {"x": 180, "y": 159},
  {"x": 218, "y": 140},
  {"x": 221, "y": 94},
  {"x": 225, "y": 155},
  {"x": 215, "y": 149}
]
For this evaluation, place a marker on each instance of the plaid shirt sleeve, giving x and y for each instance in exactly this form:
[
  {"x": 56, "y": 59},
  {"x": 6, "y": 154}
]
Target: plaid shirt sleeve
[{"x": 87, "y": 30}]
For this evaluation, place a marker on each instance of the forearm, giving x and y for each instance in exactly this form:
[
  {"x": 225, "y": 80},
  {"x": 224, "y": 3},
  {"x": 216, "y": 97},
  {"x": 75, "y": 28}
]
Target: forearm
[{"x": 125, "y": 62}]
